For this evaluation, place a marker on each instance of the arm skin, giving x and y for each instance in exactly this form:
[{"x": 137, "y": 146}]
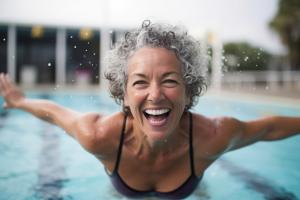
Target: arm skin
[
  {"x": 81, "y": 127},
  {"x": 240, "y": 133}
]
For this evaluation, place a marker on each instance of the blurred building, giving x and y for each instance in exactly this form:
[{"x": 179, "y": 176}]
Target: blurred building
[{"x": 36, "y": 54}]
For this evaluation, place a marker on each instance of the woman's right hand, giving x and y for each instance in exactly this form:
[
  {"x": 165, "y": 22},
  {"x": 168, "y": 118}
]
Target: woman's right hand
[{"x": 12, "y": 95}]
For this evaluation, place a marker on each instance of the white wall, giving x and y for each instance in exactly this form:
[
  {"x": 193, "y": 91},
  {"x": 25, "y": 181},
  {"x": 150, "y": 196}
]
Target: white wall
[
  {"x": 53, "y": 12},
  {"x": 231, "y": 20}
]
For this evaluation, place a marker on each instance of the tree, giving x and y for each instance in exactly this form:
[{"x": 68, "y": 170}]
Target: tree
[
  {"x": 243, "y": 56},
  {"x": 287, "y": 23}
]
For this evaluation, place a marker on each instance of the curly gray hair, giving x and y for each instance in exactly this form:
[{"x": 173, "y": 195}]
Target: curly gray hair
[{"x": 174, "y": 38}]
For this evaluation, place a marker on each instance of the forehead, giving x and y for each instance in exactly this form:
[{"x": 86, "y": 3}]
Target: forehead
[{"x": 148, "y": 58}]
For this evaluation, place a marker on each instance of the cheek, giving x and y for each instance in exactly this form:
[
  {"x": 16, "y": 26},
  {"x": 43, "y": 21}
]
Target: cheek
[
  {"x": 135, "y": 97},
  {"x": 178, "y": 95}
]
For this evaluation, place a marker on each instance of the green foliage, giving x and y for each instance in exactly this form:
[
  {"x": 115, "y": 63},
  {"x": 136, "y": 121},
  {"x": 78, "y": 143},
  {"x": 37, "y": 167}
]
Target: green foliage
[
  {"x": 243, "y": 56},
  {"x": 287, "y": 23}
]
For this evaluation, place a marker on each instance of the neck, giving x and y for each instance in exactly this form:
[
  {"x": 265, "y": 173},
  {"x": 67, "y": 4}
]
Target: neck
[{"x": 155, "y": 148}]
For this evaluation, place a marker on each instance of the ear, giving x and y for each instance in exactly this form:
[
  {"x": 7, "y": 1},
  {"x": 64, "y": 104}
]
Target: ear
[
  {"x": 188, "y": 99},
  {"x": 125, "y": 100}
]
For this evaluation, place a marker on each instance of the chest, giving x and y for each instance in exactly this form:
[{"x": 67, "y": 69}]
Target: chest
[{"x": 162, "y": 174}]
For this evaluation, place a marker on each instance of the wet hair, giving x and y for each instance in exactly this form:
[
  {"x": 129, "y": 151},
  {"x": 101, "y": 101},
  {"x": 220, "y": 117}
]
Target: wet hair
[{"x": 173, "y": 38}]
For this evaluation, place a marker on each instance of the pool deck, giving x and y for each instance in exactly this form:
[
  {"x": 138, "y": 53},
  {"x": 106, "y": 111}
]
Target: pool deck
[{"x": 288, "y": 97}]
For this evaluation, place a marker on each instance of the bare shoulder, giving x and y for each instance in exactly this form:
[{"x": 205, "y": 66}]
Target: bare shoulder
[
  {"x": 213, "y": 135},
  {"x": 99, "y": 134}
]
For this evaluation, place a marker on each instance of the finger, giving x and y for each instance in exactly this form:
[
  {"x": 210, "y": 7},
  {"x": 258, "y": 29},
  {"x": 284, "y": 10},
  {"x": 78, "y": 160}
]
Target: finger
[
  {"x": 5, "y": 82},
  {"x": 1, "y": 82},
  {"x": 8, "y": 80},
  {"x": 10, "y": 83},
  {"x": 1, "y": 90}
]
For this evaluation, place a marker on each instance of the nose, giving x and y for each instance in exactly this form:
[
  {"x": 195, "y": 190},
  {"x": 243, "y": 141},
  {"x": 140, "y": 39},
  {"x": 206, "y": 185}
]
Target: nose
[{"x": 155, "y": 93}]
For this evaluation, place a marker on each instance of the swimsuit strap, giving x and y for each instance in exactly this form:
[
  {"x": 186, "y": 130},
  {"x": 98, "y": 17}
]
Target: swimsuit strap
[
  {"x": 191, "y": 143},
  {"x": 120, "y": 145}
]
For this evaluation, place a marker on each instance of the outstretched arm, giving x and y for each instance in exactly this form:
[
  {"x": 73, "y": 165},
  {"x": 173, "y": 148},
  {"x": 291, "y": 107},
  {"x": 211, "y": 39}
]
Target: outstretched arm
[
  {"x": 240, "y": 133},
  {"x": 92, "y": 130},
  {"x": 43, "y": 109}
]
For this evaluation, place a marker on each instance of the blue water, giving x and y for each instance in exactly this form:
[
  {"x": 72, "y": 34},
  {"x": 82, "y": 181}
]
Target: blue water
[{"x": 39, "y": 161}]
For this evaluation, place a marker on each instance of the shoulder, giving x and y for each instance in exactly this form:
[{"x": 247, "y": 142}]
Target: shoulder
[
  {"x": 214, "y": 135},
  {"x": 99, "y": 134}
]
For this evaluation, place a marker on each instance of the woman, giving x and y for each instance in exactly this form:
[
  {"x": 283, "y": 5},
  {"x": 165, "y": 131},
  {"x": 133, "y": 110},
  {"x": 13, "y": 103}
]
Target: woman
[{"x": 155, "y": 147}]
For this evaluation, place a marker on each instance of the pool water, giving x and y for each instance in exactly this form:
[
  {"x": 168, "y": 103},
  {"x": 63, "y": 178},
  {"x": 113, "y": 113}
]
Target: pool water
[{"x": 39, "y": 161}]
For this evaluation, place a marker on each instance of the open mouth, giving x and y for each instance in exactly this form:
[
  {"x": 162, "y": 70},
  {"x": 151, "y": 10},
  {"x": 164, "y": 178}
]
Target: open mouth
[{"x": 157, "y": 117}]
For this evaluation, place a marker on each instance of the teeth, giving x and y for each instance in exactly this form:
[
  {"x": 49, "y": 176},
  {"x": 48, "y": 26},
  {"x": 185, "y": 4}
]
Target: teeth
[{"x": 157, "y": 112}]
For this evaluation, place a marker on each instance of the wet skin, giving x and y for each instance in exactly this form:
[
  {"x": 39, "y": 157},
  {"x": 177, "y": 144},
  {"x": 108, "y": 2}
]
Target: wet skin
[
  {"x": 155, "y": 83},
  {"x": 155, "y": 153}
]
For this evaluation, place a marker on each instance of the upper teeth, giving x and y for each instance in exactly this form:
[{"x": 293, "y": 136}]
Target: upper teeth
[{"x": 157, "y": 112}]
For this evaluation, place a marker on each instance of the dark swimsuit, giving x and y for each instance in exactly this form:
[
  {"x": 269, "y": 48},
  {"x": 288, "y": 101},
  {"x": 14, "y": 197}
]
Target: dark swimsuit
[{"x": 181, "y": 192}]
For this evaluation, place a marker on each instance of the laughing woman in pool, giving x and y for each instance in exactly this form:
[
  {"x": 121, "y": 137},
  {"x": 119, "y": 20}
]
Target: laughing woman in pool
[{"x": 155, "y": 146}]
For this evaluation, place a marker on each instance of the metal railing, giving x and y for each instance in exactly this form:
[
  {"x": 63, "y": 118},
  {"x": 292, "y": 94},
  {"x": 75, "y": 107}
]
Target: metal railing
[{"x": 271, "y": 79}]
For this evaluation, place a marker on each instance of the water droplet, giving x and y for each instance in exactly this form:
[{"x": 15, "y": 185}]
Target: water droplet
[
  {"x": 267, "y": 87},
  {"x": 238, "y": 65},
  {"x": 85, "y": 50},
  {"x": 94, "y": 54},
  {"x": 75, "y": 46},
  {"x": 49, "y": 64},
  {"x": 246, "y": 58},
  {"x": 71, "y": 36},
  {"x": 4, "y": 39},
  {"x": 80, "y": 64}
]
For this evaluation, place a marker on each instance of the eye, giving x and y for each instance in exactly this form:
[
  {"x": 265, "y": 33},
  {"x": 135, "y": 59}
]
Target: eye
[
  {"x": 139, "y": 83},
  {"x": 170, "y": 82}
]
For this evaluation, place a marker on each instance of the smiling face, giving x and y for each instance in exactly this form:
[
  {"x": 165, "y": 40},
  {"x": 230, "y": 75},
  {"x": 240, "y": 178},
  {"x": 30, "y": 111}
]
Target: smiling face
[{"x": 155, "y": 92}]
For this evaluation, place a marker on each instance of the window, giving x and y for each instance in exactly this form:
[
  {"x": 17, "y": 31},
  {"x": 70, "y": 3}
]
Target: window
[
  {"x": 3, "y": 49},
  {"x": 83, "y": 56},
  {"x": 36, "y": 54}
]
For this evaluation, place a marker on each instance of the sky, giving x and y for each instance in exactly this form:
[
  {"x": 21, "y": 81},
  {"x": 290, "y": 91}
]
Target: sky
[{"x": 228, "y": 20}]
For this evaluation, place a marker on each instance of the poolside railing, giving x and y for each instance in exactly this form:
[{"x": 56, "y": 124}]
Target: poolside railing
[{"x": 272, "y": 80}]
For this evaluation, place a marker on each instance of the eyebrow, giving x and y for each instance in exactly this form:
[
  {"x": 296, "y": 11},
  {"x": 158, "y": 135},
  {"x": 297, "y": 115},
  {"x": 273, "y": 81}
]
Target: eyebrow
[{"x": 164, "y": 75}]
